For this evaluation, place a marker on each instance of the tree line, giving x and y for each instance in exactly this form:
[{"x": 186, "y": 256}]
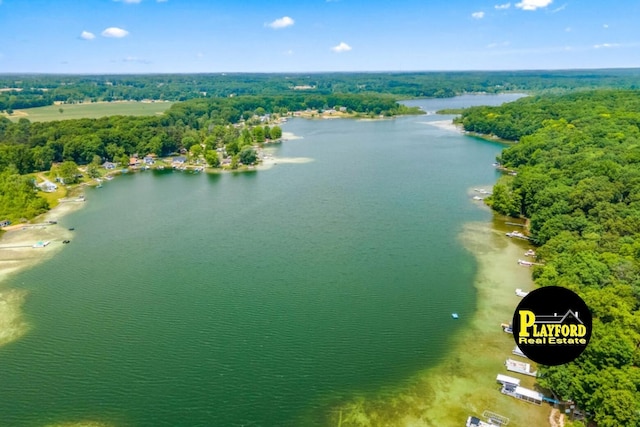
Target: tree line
[
  {"x": 577, "y": 178},
  {"x": 34, "y": 90}
]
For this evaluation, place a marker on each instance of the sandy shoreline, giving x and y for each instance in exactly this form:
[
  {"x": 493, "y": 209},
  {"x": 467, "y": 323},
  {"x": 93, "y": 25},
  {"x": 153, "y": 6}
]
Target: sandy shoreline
[
  {"x": 17, "y": 253},
  {"x": 445, "y": 125},
  {"x": 465, "y": 383}
]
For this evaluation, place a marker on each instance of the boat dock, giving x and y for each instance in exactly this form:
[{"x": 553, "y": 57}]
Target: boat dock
[
  {"x": 477, "y": 422},
  {"x": 507, "y": 327},
  {"x": 511, "y": 387},
  {"x": 519, "y": 367},
  {"x": 517, "y": 234}
]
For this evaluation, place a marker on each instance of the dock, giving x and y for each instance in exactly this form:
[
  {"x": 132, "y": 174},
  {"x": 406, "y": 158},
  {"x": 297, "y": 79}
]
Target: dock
[
  {"x": 511, "y": 387},
  {"x": 477, "y": 422},
  {"x": 519, "y": 367},
  {"x": 516, "y": 234}
]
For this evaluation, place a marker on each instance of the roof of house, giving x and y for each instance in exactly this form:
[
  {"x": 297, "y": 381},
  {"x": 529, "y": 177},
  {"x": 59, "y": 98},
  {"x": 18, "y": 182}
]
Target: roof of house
[{"x": 529, "y": 393}]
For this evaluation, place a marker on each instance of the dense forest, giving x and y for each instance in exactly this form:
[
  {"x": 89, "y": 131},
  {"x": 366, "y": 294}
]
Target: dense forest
[
  {"x": 576, "y": 176},
  {"x": 35, "y": 90}
]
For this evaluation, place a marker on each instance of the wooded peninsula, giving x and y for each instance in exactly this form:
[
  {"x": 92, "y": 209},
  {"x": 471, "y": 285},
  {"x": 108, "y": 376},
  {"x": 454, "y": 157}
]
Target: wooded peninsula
[{"x": 574, "y": 172}]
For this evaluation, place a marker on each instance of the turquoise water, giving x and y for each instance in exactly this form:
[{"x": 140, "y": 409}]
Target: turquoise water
[{"x": 256, "y": 299}]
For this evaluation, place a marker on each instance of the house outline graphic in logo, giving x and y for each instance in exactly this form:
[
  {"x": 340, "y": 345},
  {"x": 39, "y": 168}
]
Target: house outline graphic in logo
[{"x": 553, "y": 319}]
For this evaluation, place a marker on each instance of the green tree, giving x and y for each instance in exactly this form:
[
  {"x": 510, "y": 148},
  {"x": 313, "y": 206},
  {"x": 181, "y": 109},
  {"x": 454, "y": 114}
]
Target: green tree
[
  {"x": 68, "y": 172},
  {"x": 258, "y": 134},
  {"x": 196, "y": 150},
  {"x": 123, "y": 160},
  {"x": 234, "y": 162},
  {"x": 211, "y": 156},
  {"x": 248, "y": 156},
  {"x": 276, "y": 132}
]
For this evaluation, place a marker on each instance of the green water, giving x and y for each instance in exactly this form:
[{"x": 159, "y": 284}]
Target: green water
[{"x": 255, "y": 299}]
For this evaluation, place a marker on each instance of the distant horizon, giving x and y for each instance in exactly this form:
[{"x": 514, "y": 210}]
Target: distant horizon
[
  {"x": 100, "y": 37},
  {"x": 151, "y": 73}
]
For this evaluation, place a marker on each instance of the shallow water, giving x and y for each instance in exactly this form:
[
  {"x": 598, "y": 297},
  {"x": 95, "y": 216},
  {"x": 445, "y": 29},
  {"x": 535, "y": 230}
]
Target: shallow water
[{"x": 258, "y": 298}]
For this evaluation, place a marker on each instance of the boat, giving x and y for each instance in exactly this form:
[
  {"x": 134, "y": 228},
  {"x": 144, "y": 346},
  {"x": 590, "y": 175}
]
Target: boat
[
  {"x": 530, "y": 252},
  {"x": 454, "y": 315},
  {"x": 517, "y": 234},
  {"x": 521, "y": 293},
  {"x": 507, "y": 327},
  {"x": 41, "y": 244},
  {"x": 525, "y": 263},
  {"x": 66, "y": 241},
  {"x": 477, "y": 422},
  {"x": 71, "y": 228}
]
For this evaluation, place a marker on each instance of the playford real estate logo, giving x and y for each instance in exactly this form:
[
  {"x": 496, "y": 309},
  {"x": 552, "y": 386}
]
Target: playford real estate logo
[{"x": 552, "y": 325}]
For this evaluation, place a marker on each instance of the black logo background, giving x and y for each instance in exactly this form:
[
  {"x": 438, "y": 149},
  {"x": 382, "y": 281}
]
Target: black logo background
[{"x": 548, "y": 301}]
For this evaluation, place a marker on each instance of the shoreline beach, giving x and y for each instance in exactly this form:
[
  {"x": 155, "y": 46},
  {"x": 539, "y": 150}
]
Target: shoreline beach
[
  {"x": 17, "y": 252},
  {"x": 445, "y": 125},
  {"x": 465, "y": 383}
]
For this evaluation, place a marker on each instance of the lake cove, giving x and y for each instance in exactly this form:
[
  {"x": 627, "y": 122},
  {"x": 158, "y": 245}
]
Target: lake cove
[{"x": 263, "y": 298}]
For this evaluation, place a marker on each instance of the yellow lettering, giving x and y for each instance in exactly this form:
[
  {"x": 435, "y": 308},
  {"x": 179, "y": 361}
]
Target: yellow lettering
[{"x": 527, "y": 319}]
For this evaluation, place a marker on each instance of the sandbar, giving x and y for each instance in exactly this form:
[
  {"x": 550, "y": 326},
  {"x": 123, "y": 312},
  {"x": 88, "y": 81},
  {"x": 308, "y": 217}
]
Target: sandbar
[
  {"x": 17, "y": 252},
  {"x": 445, "y": 125}
]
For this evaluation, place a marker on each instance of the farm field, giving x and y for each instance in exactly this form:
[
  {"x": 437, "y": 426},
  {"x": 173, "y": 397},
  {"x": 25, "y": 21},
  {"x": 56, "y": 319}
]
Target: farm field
[{"x": 90, "y": 110}]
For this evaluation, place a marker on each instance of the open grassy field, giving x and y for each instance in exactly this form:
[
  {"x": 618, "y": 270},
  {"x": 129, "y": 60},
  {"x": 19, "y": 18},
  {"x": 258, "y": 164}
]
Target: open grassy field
[{"x": 90, "y": 110}]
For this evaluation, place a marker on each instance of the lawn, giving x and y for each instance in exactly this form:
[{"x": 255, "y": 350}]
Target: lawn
[{"x": 90, "y": 110}]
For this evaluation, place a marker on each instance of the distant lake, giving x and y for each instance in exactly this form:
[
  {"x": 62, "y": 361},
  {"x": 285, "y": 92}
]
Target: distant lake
[{"x": 261, "y": 298}]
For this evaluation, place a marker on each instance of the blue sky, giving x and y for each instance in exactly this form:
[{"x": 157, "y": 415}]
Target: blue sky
[{"x": 154, "y": 36}]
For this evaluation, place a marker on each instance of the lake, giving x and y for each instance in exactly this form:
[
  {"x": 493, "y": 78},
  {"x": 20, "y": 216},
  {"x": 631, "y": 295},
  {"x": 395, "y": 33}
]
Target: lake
[{"x": 260, "y": 298}]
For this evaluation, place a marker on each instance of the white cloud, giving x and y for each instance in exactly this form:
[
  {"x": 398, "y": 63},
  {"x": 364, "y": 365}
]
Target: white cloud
[
  {"x": 342, "y": 47},
  {"x": 477, "y": 15},
  {"x": 199, "y": 55},
  {"x": 129, "y": 1},
  {"x": 283, "y": 22},
  {"x": 605, "y": 26},
  {"x": 503, "y": 6},
  {"x": 533, "y": 4},
  {"x": 558, "y": 9},
  {"x": 162, "y": 1},
  {"x": 568, "y": 30},
  {"x": 87, "y": 35},
  {"x": 115, "y": 32},
  {"x": 606, "y": 45},
  {"x": 288, "y": 52}
]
